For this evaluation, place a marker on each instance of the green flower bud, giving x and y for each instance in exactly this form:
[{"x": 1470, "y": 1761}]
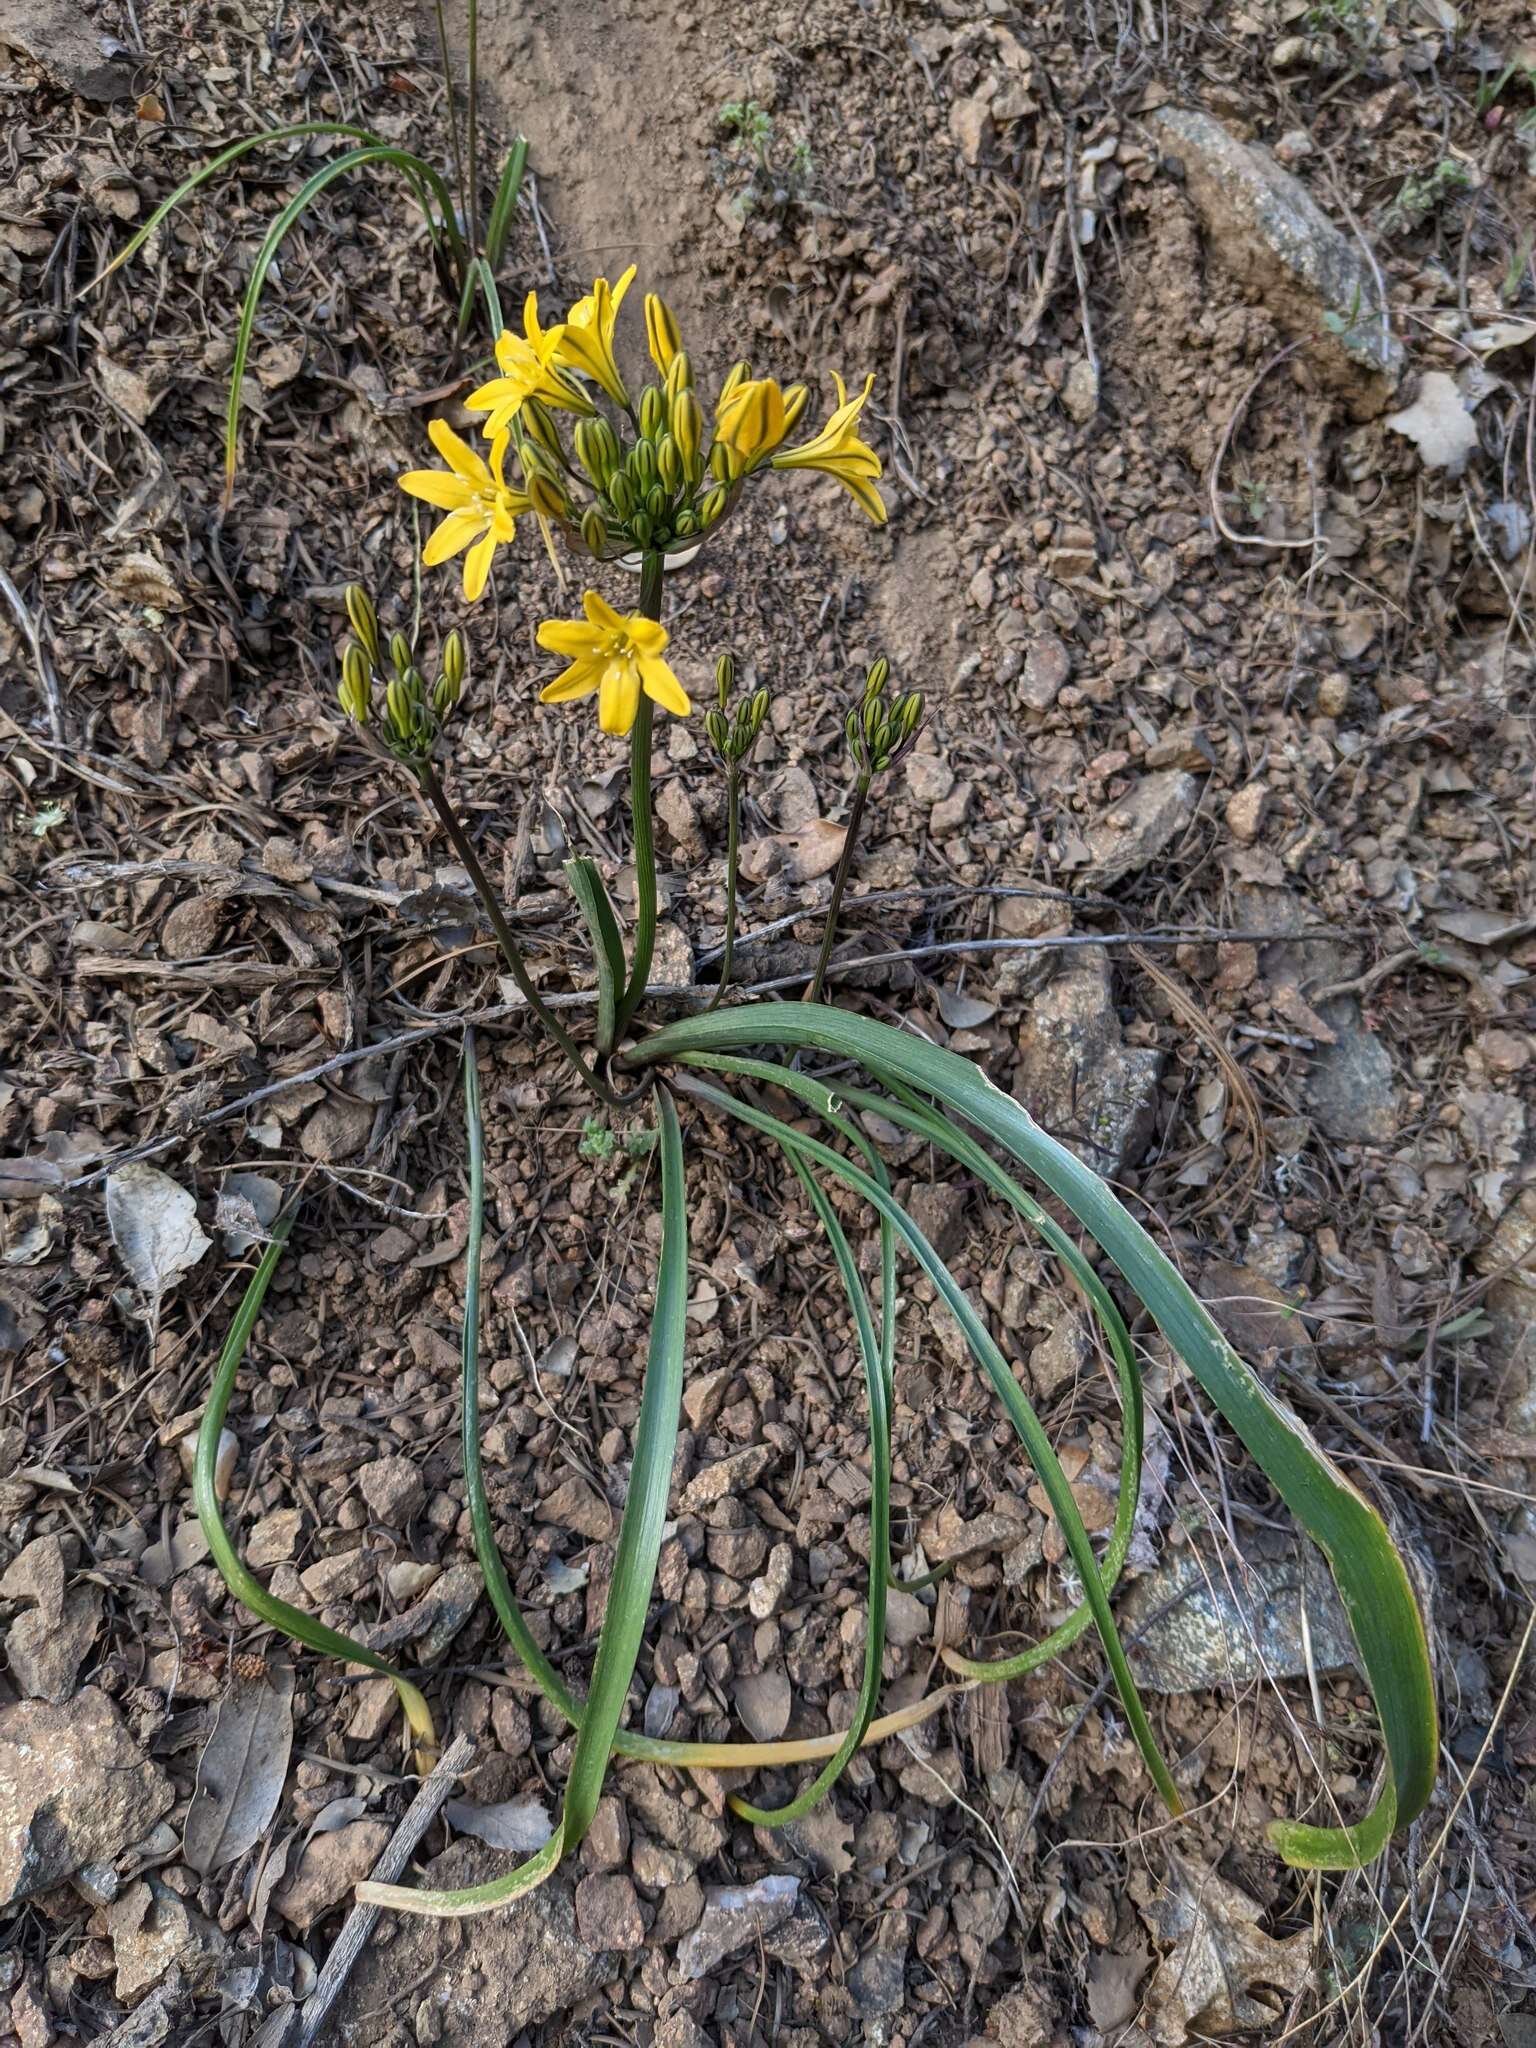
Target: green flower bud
[
  {"x": 594, "y": 532},
  {"x": 688, "y": 432},
  {"x": 640, "y": 527},
  {"x": 757, "y": 711},
  {"x": 734, "y": 376},
  {"x": 720, "y": 462},
  {"x": 719, "y": 732},
  {"x": 591, "y": 452},
  {"x": 401, "y": 710},
  {"x": 652, "y": 412},
  {"x": 642, "y": 465},
  {"x": 679, "y": 376},
  {"x": 656, "y": 501},
  {"x": 454, "y": 658},
  {"x": 547, "y": 497},
  {"x": 444, "y": 696},
  {"x": 621, "y": 493},
  {"x": 874, "y": 682},
  {"x": 365, "y": 620},
  {"x": 725, "y": 679},
  {"x": 538, "y": 422},
  {"x": 687, "y": 524},
  {"x": 669, "y": 463},
  {"x": 712, "y": 507}
]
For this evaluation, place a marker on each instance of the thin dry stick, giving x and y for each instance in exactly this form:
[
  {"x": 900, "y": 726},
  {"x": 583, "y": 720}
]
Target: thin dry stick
[
  {"x": 360, "y": 1922},
  {"x": 1251, "y": 540}
]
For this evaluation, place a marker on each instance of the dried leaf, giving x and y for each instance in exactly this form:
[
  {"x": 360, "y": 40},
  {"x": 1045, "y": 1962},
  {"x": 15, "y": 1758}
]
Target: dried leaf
[
  {"x": 1499, "y": 334},
  {"x": 1438, "y": 424},
  {"x": 801, "y": 855},
  {"x": 240, "y": 1773},
  {"x": 1205, "y": 1984},
  {"x": 516, "y": 1824},
  {"x": 153, "y": 1221},
  {"x": 248, "y": 1206},
  {"x": 964, "y": 1013}
]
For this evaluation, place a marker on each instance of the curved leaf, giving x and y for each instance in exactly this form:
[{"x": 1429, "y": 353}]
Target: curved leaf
[{"x": 1372, "y": 1580}]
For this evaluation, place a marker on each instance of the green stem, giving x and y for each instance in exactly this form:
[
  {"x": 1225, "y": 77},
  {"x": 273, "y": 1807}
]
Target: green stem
[
  {"x": 839, "y": 884},
  {"x": 451, "y": 99},
  {"x": 732, "y": 844},
  {"x": 651, "y": 569},
  {"x": 432, "y": 790},
  {"x": 472, "y": 225}
]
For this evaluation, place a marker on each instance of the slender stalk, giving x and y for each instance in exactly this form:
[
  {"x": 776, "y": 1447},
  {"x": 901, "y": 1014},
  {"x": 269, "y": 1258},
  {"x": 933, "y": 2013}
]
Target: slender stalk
[
  {"x": 451, "y": 99},
  {"x": 732, "y": 843},
  {"x": 432, "y": 790},
  {"x": 839, "y": 883},
  {"x": 651, "y": 569},
  {"x": 472, "y": 225}
]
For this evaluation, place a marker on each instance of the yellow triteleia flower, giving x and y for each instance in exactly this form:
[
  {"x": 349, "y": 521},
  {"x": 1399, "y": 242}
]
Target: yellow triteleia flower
[
  {"x": 586, "y": 339},
  {"x": 753, "y": 416},
  {"x": 482, "y": 506},
  {"x": 530, "y": 368},
  {"x": 838, "y": 452},
  {"x": 616, "y": 656}
]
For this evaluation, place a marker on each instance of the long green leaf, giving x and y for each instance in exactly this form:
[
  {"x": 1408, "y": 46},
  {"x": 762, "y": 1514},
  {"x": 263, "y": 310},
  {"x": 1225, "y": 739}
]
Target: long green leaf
[
  {"x": 1372, "y": 1580},
  {"x": 422, "y": 179},
  {"x": 211, "y": 169},
  {"x": 506, "y": 199},
  {"x": 1037, "y": 1444},
  {"x": 634, "y": 1565},
  {"x": 877, "y": 1389},
  {"x": 607, "y": 946},
  {"x": 241, "y": 1581},
  {"x": 913, "y": 1115}
]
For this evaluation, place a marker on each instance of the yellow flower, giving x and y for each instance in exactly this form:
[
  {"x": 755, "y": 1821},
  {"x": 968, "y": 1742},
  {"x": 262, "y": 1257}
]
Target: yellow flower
[
  {"x": 482, "y": 507},
  {"x": 616, "y": 656},
  {"x": 754, "y": 415},
  {"x": 529, "y": 365},
  {"x": 586, "y": 340},
  {"x": 838, "y": 451}
]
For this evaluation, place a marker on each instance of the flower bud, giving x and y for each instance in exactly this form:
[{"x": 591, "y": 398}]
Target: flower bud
[
  {"x": 538, "y": 422},
  {"x": 734, "y": 376},
  {"x": 669, "y": 463},
  {"x": 444, "y": 696},
  {"x": 547, "y": 497},
  {"x": 725, "y": 679},
  {"x": 621, "y": 493},
  {"x": 874, "y": 682},
  {"x": 642, "y": 466},
  {"x": 454, "y": 661},
  {"x": 661, "y": 332},
  {"x": 355, "y": 689},
  {"x": 401, "y": 709},
  {"x": 712, "y": 507},
  {"x": 794, "y": 404},
  {"x": 399, "y": 653},
  {"x": 687, "y": 524},
  {"x": 656, "y": 501},
  {"x": 640, "y": 527},
  {"x": 652, "y": 413},
  {"x": 594, "y": 532},
  {"x": 757, "y": 711},
  {"x": 719, "y": 732},
  {"x": 688, "y": 432},
  {"x": 592, "y": 452},
  {"x": 679, "y": 376},
  {"x": 365, "y": 620}
]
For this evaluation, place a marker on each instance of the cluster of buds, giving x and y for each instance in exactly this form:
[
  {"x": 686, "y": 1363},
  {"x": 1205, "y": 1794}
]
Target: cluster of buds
[
  {"x": 660, "y": 492},
  {"x": 733, "y": 735},
  {"x": 412, "y": 712},
  {"x": 881, "y": 731}
]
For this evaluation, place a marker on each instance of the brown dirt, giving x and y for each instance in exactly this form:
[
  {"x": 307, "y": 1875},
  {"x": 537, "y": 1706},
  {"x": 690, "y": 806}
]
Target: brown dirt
[{"x": 208, "y": 889}]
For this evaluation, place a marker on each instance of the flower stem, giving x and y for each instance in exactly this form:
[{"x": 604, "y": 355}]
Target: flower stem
[
  {"x": 732, "y": 841},
  {"x": 839, "y": 883},
  {"x": 640, "y": 813},
  {"x": 432, "y": 789}
]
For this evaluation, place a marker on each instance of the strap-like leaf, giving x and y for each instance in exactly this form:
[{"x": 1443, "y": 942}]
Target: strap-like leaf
[
  {"x": 241, "y": 1581},
  {"x": 634, "y": 1565},
  {"x": 1372, "y": 1580},
  {"x": 1037, "y": 1444},
  {"x": 607, "y": 945}
]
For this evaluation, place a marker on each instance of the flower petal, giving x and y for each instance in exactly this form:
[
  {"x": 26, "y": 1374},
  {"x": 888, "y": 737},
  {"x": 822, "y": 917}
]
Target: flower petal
[
  {"x": 601, "y": 613},
  {"x": 455, "y": 532},
  {"x": 662, "y": 687},
  {"x": 618, "y": 697},
  {"x": 646, "y": 636},
  {"x": 568, "y": 636},
  {"x": 477, "y": 565},
  {"x": 579, "y": 680},
  {"x": 439, "y": 487},
  {"x": 458, "y": 455}
]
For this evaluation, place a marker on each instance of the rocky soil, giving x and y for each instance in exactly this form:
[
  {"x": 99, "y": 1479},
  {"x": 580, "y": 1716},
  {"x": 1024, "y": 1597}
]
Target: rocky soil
[{"x": 1205, "y": 342}]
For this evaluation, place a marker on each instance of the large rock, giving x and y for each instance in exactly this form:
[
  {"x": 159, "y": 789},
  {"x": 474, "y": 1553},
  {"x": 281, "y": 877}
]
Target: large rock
[
  {"x": 1201, "y": 1622},
  {"x": 1135, "y": 829},
  {"x": 1077, "y": 1077},
  {"x": 74, "y": 1789},
  {"x": 1350, "y": 1088},
  {"x": 1271, "y": 234},
  {"x": 472, "y": 1982}
]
